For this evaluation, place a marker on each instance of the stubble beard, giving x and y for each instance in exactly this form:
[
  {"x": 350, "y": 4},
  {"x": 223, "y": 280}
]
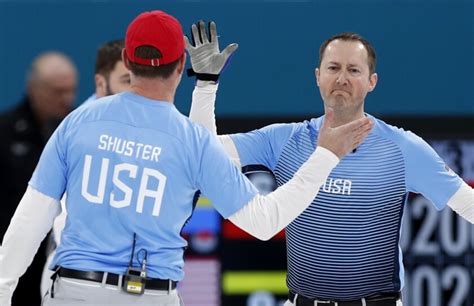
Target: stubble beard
[{"x": 345, "y": 110}]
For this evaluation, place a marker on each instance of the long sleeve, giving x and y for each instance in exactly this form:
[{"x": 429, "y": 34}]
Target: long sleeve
[
  {"x": 29, "y": 226},
  {"x": 203, "y": 105},
  {"x": 462, "y": 202},
  {"x": 265, "y": 216}
]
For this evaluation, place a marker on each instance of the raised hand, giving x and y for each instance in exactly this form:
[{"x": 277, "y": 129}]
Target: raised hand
[
  {"x": 343, "y": 139},
  {"x": 206, "y": 59}
]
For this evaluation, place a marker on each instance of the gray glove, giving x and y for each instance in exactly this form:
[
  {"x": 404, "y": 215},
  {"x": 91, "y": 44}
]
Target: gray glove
[{"x": 206, "y": 60}]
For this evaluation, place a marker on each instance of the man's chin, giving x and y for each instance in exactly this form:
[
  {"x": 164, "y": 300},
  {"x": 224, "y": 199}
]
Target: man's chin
[{"x": 337, "y": 101}]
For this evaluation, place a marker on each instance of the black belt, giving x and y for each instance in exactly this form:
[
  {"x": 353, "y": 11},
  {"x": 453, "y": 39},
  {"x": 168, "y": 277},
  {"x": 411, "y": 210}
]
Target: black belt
[
  {"x": 113, "y": 279},
  {"x": 383, "y": 299}
]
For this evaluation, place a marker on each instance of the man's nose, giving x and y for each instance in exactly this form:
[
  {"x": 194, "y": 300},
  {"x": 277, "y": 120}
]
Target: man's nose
[
  {"x": 341, "y": 78},
  {"x": 67, "y": 97}
]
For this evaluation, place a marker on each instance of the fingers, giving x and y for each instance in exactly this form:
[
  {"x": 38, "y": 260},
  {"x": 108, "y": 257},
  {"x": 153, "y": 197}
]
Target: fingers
[
  {"x": 361, "y": 123},
  {"x": 357, "y": 141},
  {"x": 200, "y": 36},
  {"x": 366, "y": 125},
  {"x": 203, "y": 32},
  {"x": 196, "y": 37},
  {"x": 229, "y": 50},
  {"x": 363, "y": 131},
  {"x": 213, "y": 31},
  {"x": 361, "y": 134}
]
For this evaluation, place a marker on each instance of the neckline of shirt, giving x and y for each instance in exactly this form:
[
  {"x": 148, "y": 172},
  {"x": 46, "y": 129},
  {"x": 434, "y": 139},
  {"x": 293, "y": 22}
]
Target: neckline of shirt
[
  {"x": 317, "y": 122},
  {"x": 146, "y": 101}
]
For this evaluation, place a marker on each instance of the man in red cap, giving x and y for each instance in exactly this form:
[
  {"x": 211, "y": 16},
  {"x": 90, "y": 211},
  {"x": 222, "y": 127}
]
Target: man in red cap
[{"x": 131, "y": 165}]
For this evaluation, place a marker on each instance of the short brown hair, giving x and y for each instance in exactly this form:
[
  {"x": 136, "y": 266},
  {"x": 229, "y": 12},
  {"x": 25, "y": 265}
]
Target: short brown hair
[
  {"x": 107, "y": 56},
  {"x": 148, "y": 52},
  {"x": 350, "y": 36}
]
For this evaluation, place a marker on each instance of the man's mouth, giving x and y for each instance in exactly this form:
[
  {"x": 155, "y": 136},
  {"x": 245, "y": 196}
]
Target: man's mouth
[{"x": 340, "y": 91}]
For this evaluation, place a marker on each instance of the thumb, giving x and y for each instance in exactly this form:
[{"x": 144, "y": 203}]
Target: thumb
[
  {"x": 229, "y": 50},
  {"x": 187, "y": 43},
  {"x": 328, "y": 117}
]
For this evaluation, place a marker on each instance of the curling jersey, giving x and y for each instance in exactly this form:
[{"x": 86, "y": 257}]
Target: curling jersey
[
  {"x": 345, "y": 245},
  {"x": 131, "y": 165}
]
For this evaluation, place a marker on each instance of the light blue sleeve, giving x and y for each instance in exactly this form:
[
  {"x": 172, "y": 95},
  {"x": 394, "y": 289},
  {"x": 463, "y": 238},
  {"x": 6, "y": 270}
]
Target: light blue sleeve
[
  {"x": 50, "y": 174},
  {"x": 427, "y": 173},
  {"x": 220, "y": 180},
  {"x": 263, "y": 146}
]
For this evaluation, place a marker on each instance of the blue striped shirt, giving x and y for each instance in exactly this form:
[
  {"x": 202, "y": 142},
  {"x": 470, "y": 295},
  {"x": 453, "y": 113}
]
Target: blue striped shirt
[{"x": 346, "y": 244}]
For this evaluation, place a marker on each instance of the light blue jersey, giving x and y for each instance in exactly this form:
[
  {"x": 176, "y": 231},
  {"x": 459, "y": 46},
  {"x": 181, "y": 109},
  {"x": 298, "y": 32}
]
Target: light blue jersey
[
  {"x": 133, "y": 165},
  {"x": 345, "y": 245},
  {"x": 91, "y": 98}
]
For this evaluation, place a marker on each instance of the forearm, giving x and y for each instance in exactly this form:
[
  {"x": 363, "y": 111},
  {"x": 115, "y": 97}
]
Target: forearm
[
  {"x": 265, "y": 216},
  {"x": 30, "y": 224},
  {"x": 203, "y": 112},
  {"x": 203, "y": 105},
  {"x": 462, "y": 202}
]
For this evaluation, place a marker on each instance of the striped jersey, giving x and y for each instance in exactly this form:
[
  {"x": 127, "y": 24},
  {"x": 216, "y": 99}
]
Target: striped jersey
[{"x": 345, "y": 245}]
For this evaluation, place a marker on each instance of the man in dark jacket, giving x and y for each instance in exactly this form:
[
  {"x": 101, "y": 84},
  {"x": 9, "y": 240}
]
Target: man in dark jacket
[{"x": 51, "y": 89}]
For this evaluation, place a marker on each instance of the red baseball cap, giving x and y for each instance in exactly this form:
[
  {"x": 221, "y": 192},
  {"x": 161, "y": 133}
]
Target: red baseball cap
[{"x": 156, "y": 29}]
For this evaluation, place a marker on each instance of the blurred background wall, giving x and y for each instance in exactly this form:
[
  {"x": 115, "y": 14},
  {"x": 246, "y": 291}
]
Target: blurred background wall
[
  {"x": 425, "y": 48},
  {"x": 426, "y": 84}
]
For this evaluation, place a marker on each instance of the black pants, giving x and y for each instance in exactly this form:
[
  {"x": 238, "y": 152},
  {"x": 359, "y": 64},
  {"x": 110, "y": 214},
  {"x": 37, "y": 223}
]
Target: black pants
[{"x": 384, "y": 299}]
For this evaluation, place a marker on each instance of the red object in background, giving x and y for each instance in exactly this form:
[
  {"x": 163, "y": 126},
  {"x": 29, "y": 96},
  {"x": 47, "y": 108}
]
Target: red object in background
[{"x": 231, "y": 231}]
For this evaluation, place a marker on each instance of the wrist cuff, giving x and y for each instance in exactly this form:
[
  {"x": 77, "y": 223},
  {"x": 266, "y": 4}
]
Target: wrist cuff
[{"x": 203, "y": 76}]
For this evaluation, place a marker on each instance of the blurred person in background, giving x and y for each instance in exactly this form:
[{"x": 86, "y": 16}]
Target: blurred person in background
[
  {"x": 50, "y": 93},
  {"x": 111, "y": 77}
]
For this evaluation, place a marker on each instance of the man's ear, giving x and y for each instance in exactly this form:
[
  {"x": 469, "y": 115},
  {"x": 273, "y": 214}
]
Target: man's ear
[
  {"x": 317, "y": 73},
  {"x": 182, "y": 63},
  {"x": 125, "y": 59},
  {"x": 100, "y": 85},
  {"x": 373, "y": 81}
]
